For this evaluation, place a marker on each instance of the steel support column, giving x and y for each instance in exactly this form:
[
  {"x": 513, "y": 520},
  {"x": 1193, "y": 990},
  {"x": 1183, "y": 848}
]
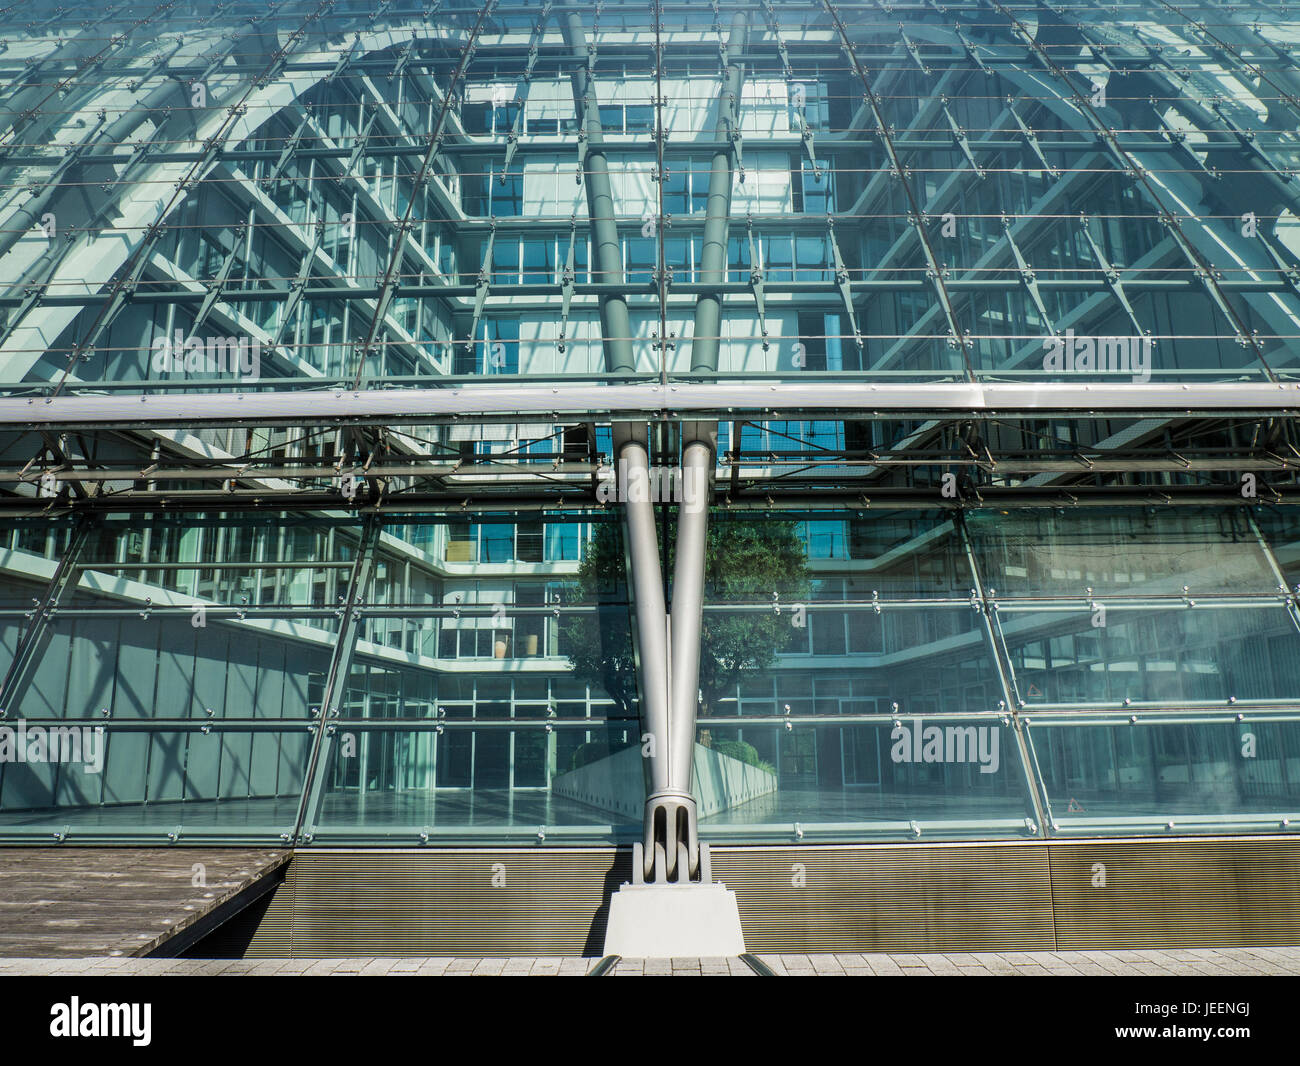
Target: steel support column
[
  {"x": 631, "y": 450},
  {"x": 671, "y": 814}
]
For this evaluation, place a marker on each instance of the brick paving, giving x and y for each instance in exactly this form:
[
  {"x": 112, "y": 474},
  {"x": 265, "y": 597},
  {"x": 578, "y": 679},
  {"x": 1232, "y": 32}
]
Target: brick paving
[{"x": 1168, "y": 963}]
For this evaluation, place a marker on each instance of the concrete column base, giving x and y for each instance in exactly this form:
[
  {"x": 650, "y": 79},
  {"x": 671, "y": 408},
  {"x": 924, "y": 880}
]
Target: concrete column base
[{"x": 674, "y": 921}]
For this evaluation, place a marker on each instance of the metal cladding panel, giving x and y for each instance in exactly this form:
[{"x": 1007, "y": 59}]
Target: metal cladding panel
[
  {"x": 273, "y": 937},
  {"x": 809, "y": 899},
  {"x": 439, "y": 903},
  {"x": 907, "y": 898},
  {"x": 1177, "y": 894}
]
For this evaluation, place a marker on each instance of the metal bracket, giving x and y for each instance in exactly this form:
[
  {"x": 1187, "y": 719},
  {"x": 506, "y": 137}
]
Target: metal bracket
[
  {"x": 756, "y": 278},
  {"x": 842, "y": 281},
  {"x": 1027, "y": 275},
  {"x": 1112, "y": 277},
  {"x": 482, "y": 286},
  {"x": 567, "y": 280},
  {"x": 1032, "y": 141}
]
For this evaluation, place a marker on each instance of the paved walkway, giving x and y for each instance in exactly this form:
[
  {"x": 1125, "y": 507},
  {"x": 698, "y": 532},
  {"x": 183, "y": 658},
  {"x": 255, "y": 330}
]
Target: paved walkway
[{"x": 1171, "y": 963}]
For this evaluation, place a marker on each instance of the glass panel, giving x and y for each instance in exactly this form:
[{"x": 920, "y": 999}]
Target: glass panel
[
  {"x": 1120, "y": 553},
  {"x": 245, "y": 561},
  {"x": 112, "y": 664},
  {"x": 1168, "y": 655},
  {"x": 1009, "y": 233},
  {"x": 1280, "y": 527},
  {"x": 1045, "y": 238},
  {"x": 30, "y": 550},
  {"x": 487, "y": 778},
  {"x": 923, "y": 659},
  {"x": 1186, "y": 776},
  {"x": 907, "y": 554},
  {"x": 83, "y": 783},
  {"x": 939, "y": 778}
]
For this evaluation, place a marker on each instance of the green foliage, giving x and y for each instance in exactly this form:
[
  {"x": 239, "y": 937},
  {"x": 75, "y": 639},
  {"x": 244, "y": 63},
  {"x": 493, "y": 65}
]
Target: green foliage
[
  {"x": 743, "y": 751},
  {"x": 593, "y": 750},
  {"x": 600, "y": 645},
  {"x": 746, "y": 561}
]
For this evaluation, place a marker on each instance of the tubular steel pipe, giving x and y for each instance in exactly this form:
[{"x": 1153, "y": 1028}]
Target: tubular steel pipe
[{"x": 672, "y": 810}]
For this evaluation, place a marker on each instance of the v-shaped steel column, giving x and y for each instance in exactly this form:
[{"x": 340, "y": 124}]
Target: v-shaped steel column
[
  {"x": 671, "y": 816},
  {"x": 668, "y": 675},
  {"x": 631, "y": 447}
]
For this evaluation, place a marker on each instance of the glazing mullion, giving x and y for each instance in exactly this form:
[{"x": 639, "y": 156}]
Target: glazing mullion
[
  {"x": 1037, "y": 794},
  {"x": 337, "y": 679},
  {"x": 62, "y": 586}
]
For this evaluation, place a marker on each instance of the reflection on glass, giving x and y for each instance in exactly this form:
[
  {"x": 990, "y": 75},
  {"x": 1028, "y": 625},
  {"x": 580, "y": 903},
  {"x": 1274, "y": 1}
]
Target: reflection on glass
[
  {"x": 492, "y": 775},
  {"x": 126, "y": 666},
  {"x": 1144, "y": 772},
  {"x": 491, "y": 691},
  {"x": 926, "y": 778},
  {"x": 83, "y": 780},
  {"x": 1174, "y": 654},
  {"x": 1123, "y": 553}
]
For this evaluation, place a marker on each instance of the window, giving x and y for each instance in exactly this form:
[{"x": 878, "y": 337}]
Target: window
[
  {"x": 500, "y": 346},
  {"x": 677, "y": 257},
  {"x": 505, "y": 193},
  {"x": 563, "y": 542},
  {"x": 503, "y": 117},
  {"x": 539, "y": 261},
  {"x": 579, "y": 258},
  {"x": 701, "y": 171},
  {"x": 477, "y": 118},
  {"x": 642, "y": 256},
  {"x": 639, "y": 118},
  {"x": 815, "y": 185},
  {"x": 827, "y": 627},
  {"x": 529, "y": 542},
  {"x": 530, "y": 629},
  {"x": 812, "y": 259},
  {"x": 543, "y": 126},
  {"x": 778, "y": 262},
  {"x": 505, "y": 259},
  {"x": 686, "y": 186},
  {"x": 842, "y": 351},
  {"x": 738, "y": 259},
  {"x": 812, "y": 337},
  {"x": 486, "y": 195},
  {"x": 461, "y": 542},
  {"x": 829, "y": 540},
  {"x": 809, "y": 105},
  {"x": 611, "y": 118},
  {"x": 496, "y": 543},
  {"x": 677, "y": 185}
]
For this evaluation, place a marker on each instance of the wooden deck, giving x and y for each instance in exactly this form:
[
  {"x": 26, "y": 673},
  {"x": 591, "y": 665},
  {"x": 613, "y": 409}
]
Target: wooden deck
[{"x": 78, "y": 902}]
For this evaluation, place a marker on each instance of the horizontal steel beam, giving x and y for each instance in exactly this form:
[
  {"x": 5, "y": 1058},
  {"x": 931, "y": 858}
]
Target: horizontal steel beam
[
  {"x": 633, "y": 144},
  {"x": 807, "y": 468},
  {"x": 169, "y": 293},
  {"x": 829, "y": 503},
  {"x": 621, "y": 403}
]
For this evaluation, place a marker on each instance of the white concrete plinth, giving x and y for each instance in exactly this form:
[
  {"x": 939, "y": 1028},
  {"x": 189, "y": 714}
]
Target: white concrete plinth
[{"x": 674, "y": 921}]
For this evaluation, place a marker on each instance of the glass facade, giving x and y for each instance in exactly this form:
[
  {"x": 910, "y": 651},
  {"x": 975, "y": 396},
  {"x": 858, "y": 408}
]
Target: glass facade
[{"x": 312, "y": 389}]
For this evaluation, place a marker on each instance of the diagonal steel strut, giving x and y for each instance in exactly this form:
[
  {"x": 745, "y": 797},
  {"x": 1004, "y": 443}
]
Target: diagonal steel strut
[{"x": 668, "y": 667}]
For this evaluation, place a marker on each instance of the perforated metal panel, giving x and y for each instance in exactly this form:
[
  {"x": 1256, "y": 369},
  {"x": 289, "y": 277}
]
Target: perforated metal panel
[
  {"x": 954, "y": 897},
  {"x": 435, "y": 902},
  {"x": 905, "y": 898},
  {"x": 1184, "y": 894}
]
